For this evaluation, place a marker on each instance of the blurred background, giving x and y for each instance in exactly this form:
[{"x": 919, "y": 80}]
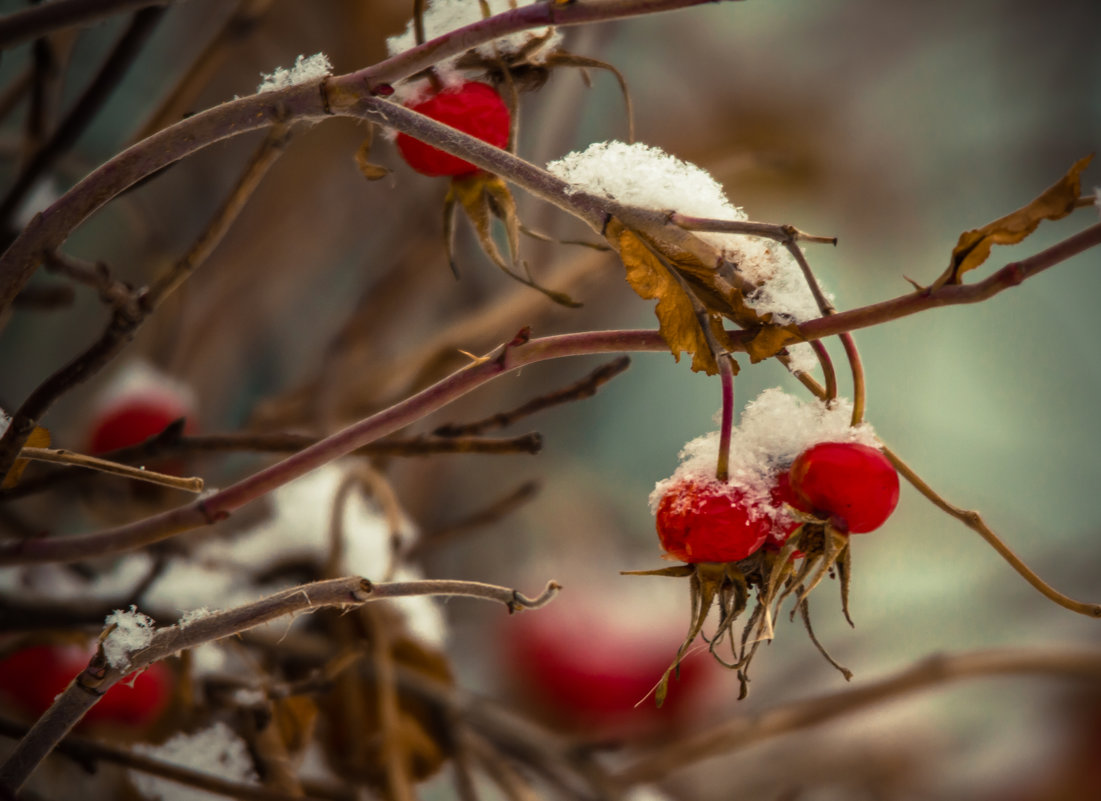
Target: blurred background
[{"x": 894, "y": 127}]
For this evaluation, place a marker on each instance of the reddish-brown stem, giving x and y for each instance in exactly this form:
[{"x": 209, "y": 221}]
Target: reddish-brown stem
[
  {"x": 828, "y": 372},
  {"x": 220, "y": 504},
  {"x": 726, "y": 425}
]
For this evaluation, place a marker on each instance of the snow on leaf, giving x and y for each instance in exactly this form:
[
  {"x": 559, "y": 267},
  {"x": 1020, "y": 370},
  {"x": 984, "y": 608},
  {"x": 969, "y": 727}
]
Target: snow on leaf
[{"x": 973, "y": 247}]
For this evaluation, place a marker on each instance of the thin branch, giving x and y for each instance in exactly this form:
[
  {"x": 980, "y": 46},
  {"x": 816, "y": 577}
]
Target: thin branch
[
  {"x": 584, "y": 388},
  {"x": 84, "y": 751},
  {"x": 84, "y": 110},
  {"x": 217, "y": 506},
  {"x": 778, "y": 232},
  {"x": 752, "y": 728},
  {"x": 128, "y": 317},
  {"x": 44, "y": 18},
  {"x": 483, "y": 517},
  {"x": 973, "y": 520},
  {"x": 88, "y": 687},
  {"x": 60, "y": 456}
]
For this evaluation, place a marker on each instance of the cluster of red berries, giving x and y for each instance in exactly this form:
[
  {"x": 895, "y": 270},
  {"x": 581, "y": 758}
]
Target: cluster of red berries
[
  {"x": 472, "y": 107},
  {"x": 853, "y": 486}
]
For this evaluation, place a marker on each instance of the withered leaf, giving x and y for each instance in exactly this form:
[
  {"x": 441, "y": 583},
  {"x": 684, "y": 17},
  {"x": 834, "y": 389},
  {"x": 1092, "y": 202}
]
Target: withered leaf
[
  {"x": 484, "y": 197},
  {"x": 370, "y": 170},
  {"x": 678, "y": 320},
  {"x": 768, "y": 340},
  {"x": 1057, "y": 201},
  {"x": 39, "y": 438}
]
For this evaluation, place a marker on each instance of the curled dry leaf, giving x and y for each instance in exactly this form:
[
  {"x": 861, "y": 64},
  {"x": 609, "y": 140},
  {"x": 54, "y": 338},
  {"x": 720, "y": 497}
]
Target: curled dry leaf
[
  {"x": 680, "y": 314},
  {"x": 1057, "y": 201},
  {"x": 39, "y": 438}
]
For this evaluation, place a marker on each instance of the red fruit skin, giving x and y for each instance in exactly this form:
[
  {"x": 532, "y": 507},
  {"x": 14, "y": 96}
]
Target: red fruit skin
[
  {"x": 32, "y": 677},
  {"x": 853, "y": 482},
  {"x": 582, "y": 673},
  {"x": 783, "y": 525},
  {"x": 132, "y": 420},
  {"x": 474, "y": 108},
  {"x": 703, "y": 521}
]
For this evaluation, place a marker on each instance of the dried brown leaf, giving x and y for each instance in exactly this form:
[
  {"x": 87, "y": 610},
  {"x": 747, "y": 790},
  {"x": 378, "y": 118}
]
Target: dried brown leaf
[
  {"x": 1057, "y": 201},
  {"x": 39, "y": 438},
  {"x": 676, "y": 313}
]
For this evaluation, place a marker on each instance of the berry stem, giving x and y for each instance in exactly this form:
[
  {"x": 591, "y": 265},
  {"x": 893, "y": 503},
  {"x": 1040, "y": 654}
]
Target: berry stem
[
  {"x": 726, "y": 382},
  {"x": 847, "y": 341},
  {"x": 973, "y": 520}
]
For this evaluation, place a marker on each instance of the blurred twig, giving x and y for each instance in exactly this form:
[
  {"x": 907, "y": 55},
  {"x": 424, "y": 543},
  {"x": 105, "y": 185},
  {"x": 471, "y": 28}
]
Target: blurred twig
[
  {"x": 752, "y": 728},
  {"x": 585, "y": 388}
]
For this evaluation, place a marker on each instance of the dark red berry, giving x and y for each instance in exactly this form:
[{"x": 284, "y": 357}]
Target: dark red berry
[
  {"x": 784, "y": 525},
  {"x": 474, "y": 108},
  {"x": 132, "y": 420},
  {"x": 853, "y": 482},
  {"x": 706, "y": 521}
]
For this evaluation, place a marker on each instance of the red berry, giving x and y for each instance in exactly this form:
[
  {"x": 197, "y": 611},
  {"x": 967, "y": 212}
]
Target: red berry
[
  {"x": 474, "y": 108},
  {"x": 32, "y": 677},
  {"x": 853, "y": 482},
  {"x": 706, "y": 521},
  {"x": 132, "y": 420},
  {"x": 784, "y": 525}
]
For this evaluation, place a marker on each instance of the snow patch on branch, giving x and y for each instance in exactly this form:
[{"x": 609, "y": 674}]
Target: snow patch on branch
[
  {"x": 648, "y": 177},
  {"x": 305, "y": 69},
  {"x": 132, "y": 631}
]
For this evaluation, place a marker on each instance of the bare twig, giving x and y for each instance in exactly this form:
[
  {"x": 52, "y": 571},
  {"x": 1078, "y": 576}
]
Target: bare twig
[
  {"x": 84, "y": 110},
  {"x": 87, "y": 688},
  {"x": 752, "y": 728},
  {"x": 219, "y": 505},
  {"x": 973, "y": 520},
  {"x": 129, "y": 316},
  {"x": 73, "y": 459},
  {"x": 483, "y": 517},
  {"x": 585, "y": 388}
]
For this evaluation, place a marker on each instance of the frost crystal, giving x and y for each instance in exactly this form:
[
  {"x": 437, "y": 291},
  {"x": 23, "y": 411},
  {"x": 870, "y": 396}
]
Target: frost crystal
[
  {"x": 305, "y": 69},
  {"x": 774, "y": 429},
  {"x": 444, "y": 16},
  {"x": 133, "y": 631},
  {"x": 645, "y": 176},
  {"x": 216, "y": 751}
]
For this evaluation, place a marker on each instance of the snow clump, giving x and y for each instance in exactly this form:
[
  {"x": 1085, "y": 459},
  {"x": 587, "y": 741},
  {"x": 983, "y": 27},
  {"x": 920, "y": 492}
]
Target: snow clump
[
  {"x": 775, "y": 428},
  {"x": 216, "y": 751},
  {"x": 444, "y": 16},
  {"x": 132, "y": 631},
  {"x": 646, "y": 176},
  {"x": 305, "y": 69}
]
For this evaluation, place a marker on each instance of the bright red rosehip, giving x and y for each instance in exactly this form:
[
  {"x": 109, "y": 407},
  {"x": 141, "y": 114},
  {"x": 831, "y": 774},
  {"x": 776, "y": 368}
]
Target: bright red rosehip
[
  {"x": 133, "y": 419},
  {"x": 784, "y": 525},
  {"x": 853, "y": 482},
  {"x": 32, "y": 677},
  {"x": 705, "y": 521},
  {"x": 474, "y": 108}
]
